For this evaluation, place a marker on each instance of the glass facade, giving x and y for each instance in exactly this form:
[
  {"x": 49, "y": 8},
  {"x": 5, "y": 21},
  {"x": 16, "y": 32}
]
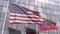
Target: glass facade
[{"x": 47, "y": 8}]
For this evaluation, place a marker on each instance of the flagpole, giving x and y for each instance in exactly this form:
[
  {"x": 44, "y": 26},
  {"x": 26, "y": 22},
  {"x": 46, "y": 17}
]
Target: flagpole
[
  {"x": 37, "y": 29},
  {"x": 5, "y": 18}
]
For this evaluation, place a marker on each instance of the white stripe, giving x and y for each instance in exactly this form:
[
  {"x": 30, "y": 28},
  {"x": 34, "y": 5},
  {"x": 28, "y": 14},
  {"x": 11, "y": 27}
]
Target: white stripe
[
  {"x": 29, "y": 12},
  {"x": 17, "y": 14},
  {"x": 23, "y": 21},
  {"x": 25, "y": 18},
  {"x": 17, "y": 18},
  {"x": 17, "y": 21},
  {"x": 23, "y": 15},
  {"x": 34, "y": 16},
  {"x": 20, "y": 21}
]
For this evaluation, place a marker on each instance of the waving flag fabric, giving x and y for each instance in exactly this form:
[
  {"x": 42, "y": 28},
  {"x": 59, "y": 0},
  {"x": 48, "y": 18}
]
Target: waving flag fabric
[
  {"x": 19, "y": 14},
  {"x": 47, "y": 19},
  {"x": 47, "y": 25}
]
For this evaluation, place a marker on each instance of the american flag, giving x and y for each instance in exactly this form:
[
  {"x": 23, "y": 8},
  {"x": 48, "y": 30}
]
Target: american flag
[{"x": 19, "y": 14}]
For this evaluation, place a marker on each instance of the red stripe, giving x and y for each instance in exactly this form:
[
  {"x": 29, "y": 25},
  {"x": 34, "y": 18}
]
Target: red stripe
[
  {"x": 23, "y": 16},
  {"x": 43, "y": 28},
  {"x": 27, "y": 17},
  {"x": 28, "y": 20},
  {"x": 36, "y": 20}
]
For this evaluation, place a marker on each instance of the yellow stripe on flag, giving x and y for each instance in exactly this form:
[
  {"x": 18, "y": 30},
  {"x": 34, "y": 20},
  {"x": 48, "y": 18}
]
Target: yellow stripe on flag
[{"x": 47, "y": 19}]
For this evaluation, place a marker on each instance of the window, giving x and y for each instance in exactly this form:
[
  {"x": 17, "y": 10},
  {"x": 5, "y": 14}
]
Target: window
[
  {"x": 30, "y": 31},
  {"x": 54, "y": 7},
  {"x": 12, "y": 0},
  {"x": 40, "y": 4},
  {"x": 14, "y": 31},
  {"x": 5, "y": 0},
  {"x": 6, "y": 32},
  {"x": 58, "y": 8},
  {"x": 1, "y": 2},
  {"x": 47, "y": 6},
  {"x": 52, "y": 12},
  {"x": 58, "y": 13},
  {"x": 22, "y": 4},
  {"x": 49, "y": 16},
  {"x": 17, "y": 0},
  {"x": 4, "y": 9},
  {"x": 59, "y": 18},
  {"x": 31, "y": 7},
  {"x": 55, "y": 12},
  {"x": 2, "y": 15},
  {"x": 1, "y": 24},
  {"x": 5, "y": 3},
  {"x": 31, "y": 2},
  {"x": 32, "y": 26},
  {"x": 48, "y": 11},
  {"x": 1, "y": 6},
  {"x": 27, "y": 2},
  {"x": 56, "y": 17},
  {"x": 40, "y": 10},
  {"x": 23, "y": 1},
  {"x": 0, "y": 31},
  {"x": 36, "y": 8}
]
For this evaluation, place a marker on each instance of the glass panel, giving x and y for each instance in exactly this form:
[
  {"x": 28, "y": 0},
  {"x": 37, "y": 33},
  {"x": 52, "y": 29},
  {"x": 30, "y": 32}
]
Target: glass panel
[
  {"x": 5, "y": 0},
  {"x": 47, "y": 6},
  {"x": 14, "y": 31},
  {"x": 4, "y": 9},
  {"x": 1, "y": 6},
  {"x": 6, "y": 32},
  {"x": 20, "y": 27},
  {"x": 55, "y": 12},
  {"x": 54, "y": 7},
  {"x": 59, "y": 13},
  {"x": 7, "y": 25},
  {"x": 0, "y": 31},
  {"x": 5, "y": 3},
  {"x": 56, "y": 17},
  {"x": 12, "y": 0},
  {"x": 36, "y": 8},
  {"x": 2, "y": 16},
  {"x": 31, "y": 7},
  {"x": 30, "y": 31},
  {"x": 49, "y": 16},
  {"x": 1, "y": 2},
  {"x": 40, "y": 4},
  {"x": 36, "y": 3},
  {"x": 17, "y": 0},
  {"x": 47, "y": 11},
  {"x": 32, "y": 26},
  {"x": 1, "y": 24},
  {"x": 23, "y": 1},
  {"x": 31, "y": 2},
  {"x": 40, "y": 10}
]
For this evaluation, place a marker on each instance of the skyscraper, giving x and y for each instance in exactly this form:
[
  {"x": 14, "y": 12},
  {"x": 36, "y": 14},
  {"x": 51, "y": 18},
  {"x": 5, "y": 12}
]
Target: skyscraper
[{"x": 47, "y": 8}]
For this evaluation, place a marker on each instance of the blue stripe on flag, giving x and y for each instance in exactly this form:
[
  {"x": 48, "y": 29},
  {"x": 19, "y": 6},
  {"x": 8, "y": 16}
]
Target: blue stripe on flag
[{"x": 46, "y": 23}]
